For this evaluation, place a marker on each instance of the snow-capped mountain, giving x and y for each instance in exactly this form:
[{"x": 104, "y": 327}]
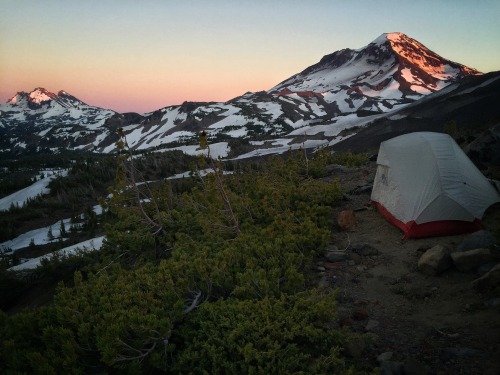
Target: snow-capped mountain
[
  {"x": 391, "y": 70},
  {"x": 345, "y": 89},
  {"x": 45, "y": 120}
]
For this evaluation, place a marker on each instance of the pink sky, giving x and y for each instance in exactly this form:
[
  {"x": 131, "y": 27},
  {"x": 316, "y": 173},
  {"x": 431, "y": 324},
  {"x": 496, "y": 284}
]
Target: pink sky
[{"x": 142, "y": 56}]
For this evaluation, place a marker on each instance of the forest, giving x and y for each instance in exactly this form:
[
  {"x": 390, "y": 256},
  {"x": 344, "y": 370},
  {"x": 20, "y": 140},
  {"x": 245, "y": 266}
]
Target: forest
[{"x": 206, "y": 274}]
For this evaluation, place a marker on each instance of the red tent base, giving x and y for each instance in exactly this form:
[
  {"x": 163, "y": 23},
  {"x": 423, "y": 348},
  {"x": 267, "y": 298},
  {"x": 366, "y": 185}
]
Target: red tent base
[{"x": 430, "y": 229}]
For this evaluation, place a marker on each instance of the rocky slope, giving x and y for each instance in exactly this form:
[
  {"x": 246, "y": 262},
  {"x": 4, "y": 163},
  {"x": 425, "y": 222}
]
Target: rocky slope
[
  {"x": 410, "y": 321},
  {"x": 466, "y": 107}
]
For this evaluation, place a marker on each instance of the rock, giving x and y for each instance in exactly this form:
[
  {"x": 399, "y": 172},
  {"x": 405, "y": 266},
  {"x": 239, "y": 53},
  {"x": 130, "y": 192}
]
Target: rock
[
  {"x": 364, "y": 249},
  {"x": 346, "y": 220},
  {"x": 336, "y": 256},
  {"x": 434, "y": 261},
  {"x": 337, "y": 169},
  {"x": 364, "y": 189},
  {"x": 360, "y": 314},
  {"x": 391, "y": 368},
  {"x": 449, "y": 354},
  {"x": 471, "y": 259},
  {"x": 371, "y": 325},
  {"x": 493, "y": 302},
  {"x": 485, "y": 268},
  {"x": 384, "y": 357},
  {"x": 414, "y": 367},
  {"x": 332, "y": 265},
  {"x": 477, "y": 240},
  {"x": 356, "y": 258},
  {"x": 488, "y": 280}
]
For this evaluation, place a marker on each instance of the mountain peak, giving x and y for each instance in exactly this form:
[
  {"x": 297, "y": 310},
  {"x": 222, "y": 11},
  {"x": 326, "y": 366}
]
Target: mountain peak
[
  {"x": 394, "y": 36},
  {"x": 40, "y": 95},
  {"x": 393, "y": 65}
]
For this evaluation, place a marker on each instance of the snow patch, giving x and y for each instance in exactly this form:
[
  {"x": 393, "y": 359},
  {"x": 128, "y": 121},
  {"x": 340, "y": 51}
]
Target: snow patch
[{"x": 89, "y": 245}]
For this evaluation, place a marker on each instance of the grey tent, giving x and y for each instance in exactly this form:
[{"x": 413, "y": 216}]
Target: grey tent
[{"x": 427, "y": 186}]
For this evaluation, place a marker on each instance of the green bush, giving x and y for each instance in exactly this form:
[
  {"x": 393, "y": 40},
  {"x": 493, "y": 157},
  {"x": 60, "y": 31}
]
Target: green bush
[
  {"x": 211, "y": 291},
  {"x": 349, "y": 159}
]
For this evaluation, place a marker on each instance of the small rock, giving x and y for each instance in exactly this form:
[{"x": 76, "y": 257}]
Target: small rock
[
  {"x": 434, "y": 261},
  {"x": 337, "y": 168},
  {"x": 471, "y": 259},
  {"x": 384, "y": 357},
  {"x": 449, "y": 354},
  {"x": 485, "y": 268},
  {"x": 493, "y": 302},
  {"x": 391, "y": 368},
  {"x": 336, "y": 256},
  {"x": 365, "y": 189},
  {"x": 356, "y": 258},
  {"x": 364, "y": 249},
  {"x": 360, "y": 314},
  {"x": 321, "y": 268},
  {"x": 476, "y": 240},
  {"x": 346, "y": 220},
  {"x": 371, "y": 325},
  {"x": 331, "y": 248},
  {"x": 332, "y": 266},
  {"x": 488, "y": 280}
]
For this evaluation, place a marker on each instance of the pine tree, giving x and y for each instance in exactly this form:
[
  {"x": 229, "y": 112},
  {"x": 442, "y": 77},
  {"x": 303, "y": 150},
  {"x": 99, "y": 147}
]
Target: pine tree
[
  {"x": 62, "y": 230},
  {"x": 50, "y": 235}
]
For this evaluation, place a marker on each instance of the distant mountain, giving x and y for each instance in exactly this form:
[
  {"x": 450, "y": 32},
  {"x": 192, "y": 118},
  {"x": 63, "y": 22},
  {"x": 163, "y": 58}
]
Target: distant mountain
[
  {"x": 344, "y": 90},
  {"x": 42, "y": 120}
]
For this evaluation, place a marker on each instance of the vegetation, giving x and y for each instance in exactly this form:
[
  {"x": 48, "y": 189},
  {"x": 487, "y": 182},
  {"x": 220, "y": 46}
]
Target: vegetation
[
  {"x": 209, "y": 275},
  {"x": 349, "y": 159}
]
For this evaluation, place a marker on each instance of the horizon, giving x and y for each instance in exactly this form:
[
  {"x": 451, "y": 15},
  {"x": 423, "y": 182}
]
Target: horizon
[{"x": 143, "y": 57}]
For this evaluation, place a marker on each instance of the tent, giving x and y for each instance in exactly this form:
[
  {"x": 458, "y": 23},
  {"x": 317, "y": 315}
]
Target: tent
[{"x": 427, "y": 186}]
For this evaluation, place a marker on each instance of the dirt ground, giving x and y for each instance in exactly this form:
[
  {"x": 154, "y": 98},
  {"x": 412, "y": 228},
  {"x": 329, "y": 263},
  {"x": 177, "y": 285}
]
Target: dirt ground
[{"x": 438, "y": 322}]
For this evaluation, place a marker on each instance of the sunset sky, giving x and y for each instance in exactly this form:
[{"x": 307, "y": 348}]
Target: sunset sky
[{"x": 130, "y": 55}]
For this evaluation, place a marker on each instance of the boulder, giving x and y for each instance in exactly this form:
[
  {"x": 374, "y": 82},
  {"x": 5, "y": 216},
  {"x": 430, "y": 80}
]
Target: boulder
[
  {"x": 471, "y": 259},
  {"x": 434, "y": 261},
  {"x": 485, "y": 268},
  {"x": 477, "y": 240},
  {"x": 346, "y": 220},
  {"x": 488, "y": 280}
]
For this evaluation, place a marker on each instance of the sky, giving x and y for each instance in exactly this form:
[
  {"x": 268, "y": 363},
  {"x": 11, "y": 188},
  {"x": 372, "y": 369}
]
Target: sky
[{"x": 139, "y": 56}]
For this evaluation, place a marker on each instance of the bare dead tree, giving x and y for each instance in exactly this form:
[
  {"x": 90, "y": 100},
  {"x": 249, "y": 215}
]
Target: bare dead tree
[
  {"x": 218, "y": 180},
  {"x": 133, "y": 175}
]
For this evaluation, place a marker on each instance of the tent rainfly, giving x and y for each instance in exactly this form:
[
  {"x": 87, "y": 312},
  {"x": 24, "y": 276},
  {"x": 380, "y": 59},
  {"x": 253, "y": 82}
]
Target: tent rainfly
[{"x": 427, "y": 186}]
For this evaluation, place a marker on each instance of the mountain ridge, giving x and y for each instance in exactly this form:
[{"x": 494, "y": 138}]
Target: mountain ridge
[{"x": 345, "y": 89}]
